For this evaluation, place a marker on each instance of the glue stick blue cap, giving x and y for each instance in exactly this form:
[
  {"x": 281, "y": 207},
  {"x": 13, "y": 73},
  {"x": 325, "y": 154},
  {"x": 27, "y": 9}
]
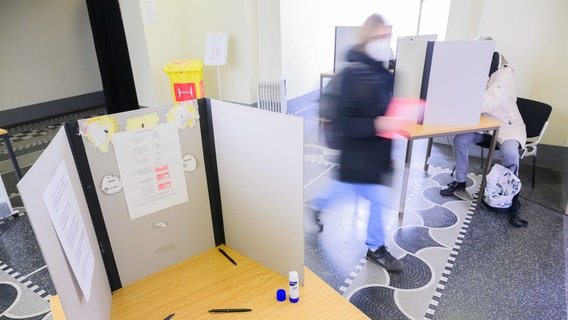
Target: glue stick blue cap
[{"x": 281, "y": 295}]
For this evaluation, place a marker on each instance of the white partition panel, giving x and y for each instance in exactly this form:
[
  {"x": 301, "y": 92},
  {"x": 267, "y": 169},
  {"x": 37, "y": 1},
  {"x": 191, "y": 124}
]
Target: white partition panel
[
  {"x": 31, "y": 188},
  {"x": 345, "y": 38},
  {"x": 260, "y": 162},
  {"x": 410, "y": 57},
  {"x": 153, "y": 242},
  {"x": 455, "y": 81}
]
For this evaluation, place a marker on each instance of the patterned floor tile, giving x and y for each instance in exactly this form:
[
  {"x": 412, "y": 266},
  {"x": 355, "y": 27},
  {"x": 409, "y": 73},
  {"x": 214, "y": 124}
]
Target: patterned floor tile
[{"x": 426, "y": 257}]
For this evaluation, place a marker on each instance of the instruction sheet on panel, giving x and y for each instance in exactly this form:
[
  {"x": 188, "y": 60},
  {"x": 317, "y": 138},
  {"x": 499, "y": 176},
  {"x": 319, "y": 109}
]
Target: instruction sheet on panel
[{"x": 151, "y": 168}]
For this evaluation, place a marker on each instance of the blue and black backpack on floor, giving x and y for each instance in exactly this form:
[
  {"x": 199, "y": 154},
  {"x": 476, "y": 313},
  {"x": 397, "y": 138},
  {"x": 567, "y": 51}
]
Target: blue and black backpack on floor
[{"x": 501, "y": 193}]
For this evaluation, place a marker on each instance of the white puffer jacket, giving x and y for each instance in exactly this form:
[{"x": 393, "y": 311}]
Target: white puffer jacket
[{"x": 500, "y": 103}]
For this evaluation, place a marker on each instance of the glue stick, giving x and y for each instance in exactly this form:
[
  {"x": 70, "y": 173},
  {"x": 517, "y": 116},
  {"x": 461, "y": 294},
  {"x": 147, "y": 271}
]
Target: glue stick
[{"x": 294, "y": 293}]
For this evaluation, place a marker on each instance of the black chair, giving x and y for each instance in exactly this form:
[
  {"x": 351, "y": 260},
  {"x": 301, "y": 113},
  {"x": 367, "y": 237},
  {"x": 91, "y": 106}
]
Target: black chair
[{"x": 535, "y": 115}]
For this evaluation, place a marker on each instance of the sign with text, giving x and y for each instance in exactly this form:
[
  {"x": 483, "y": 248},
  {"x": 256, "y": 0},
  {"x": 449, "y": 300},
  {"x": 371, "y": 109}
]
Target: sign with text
[{"x": 216, "y": 49}]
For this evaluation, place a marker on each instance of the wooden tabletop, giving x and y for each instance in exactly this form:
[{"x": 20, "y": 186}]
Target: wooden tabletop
[
  {"x": 210, "y": 281},
  {"x": 417, "y": 131},
  {"x": 3, "y": 132}
]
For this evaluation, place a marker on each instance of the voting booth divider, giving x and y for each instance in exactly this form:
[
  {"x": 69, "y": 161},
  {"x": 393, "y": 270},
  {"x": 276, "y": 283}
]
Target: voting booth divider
[
  {"x": 117, "y": 198},
  {"x": 410, "y": 59},
  {"x": 436, "y": 82},
  {"x": 448, "y": 76}
]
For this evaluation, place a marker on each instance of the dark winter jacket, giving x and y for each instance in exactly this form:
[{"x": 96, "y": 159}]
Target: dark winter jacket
[{"x": 366, "y": 91}]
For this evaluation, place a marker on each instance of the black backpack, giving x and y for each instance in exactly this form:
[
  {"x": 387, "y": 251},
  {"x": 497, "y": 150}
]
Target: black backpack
[
  {"x": 329, "y": 107},
  {"x": 328, "y": 111}
]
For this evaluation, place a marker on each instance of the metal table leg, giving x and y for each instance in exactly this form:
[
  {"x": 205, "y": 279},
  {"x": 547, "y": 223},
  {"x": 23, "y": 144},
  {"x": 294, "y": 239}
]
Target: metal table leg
[
  {"x": 12, "y": 156},
  {"x": 428, "y": 152},
  {"x": 487, "y": 166},
  {"x": 405, "y": 176}
]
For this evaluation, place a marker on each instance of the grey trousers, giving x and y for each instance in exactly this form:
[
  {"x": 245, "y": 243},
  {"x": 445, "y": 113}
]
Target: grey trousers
[{"x": 509, "y": 151}]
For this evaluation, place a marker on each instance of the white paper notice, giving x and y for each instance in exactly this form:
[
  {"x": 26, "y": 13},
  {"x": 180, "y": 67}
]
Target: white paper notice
[
  {"x": 216, "y": 49},
  {"x": 149, "y": 11},
  {"x": 63, "y": 208},
  {"x": 151, "y": 168}
]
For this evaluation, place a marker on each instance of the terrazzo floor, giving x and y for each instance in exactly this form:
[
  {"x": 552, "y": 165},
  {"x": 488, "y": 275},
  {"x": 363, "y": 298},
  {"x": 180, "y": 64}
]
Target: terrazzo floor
[
  {"x": 462, "y": 261},
  {"x": 427, "y": 241}
]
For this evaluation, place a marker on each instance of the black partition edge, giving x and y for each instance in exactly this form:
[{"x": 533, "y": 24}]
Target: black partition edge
[
  {"x": 89, "y": 190},
  {"x": 426, "y": 73},
  {"x": 427, "y": 68},
  {"x": 211, "y": 170}
]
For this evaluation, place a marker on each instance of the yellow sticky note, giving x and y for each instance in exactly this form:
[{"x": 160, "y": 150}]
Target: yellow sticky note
[
  {"x": 99, "y": 131},
  {"x": 144, "y": 121},
  {"x": 184, "y": 114}
]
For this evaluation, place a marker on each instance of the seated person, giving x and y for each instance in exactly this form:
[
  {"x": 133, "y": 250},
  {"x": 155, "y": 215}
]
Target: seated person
[{"x": 499, "y": 103}]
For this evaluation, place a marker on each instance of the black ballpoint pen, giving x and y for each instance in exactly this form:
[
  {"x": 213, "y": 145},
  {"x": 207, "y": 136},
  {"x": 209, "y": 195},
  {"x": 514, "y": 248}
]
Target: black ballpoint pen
[
  {"x": 170, "y": 316},
  {"x": 229, "y": 310},
  {"x": 227, "y": 256}
]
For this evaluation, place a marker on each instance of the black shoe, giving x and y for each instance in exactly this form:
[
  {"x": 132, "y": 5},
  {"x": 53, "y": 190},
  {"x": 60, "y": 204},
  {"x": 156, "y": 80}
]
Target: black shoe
[
  {"x": 315, "y": 215},
  {"x": 384, "y": 259},
  {"x": 450, "y": 188},
  {"x": 318, "y": 221}
]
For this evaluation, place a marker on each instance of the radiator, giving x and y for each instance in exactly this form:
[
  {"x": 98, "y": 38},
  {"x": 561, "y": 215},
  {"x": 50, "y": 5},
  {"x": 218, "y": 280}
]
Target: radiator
[{"x": 272, "y": 95}]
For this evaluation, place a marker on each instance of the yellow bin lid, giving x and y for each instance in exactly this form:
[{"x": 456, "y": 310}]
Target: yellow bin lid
[{"x": 184, "y": 66}]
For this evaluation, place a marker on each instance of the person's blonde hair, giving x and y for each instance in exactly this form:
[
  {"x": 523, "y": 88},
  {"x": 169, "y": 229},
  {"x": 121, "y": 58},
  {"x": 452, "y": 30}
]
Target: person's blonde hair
[{"x": 366, "y": 31}]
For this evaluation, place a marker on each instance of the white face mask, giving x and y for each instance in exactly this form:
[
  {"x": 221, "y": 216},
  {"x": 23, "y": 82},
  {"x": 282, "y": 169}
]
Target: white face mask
[{"x": 378, "y": 49}]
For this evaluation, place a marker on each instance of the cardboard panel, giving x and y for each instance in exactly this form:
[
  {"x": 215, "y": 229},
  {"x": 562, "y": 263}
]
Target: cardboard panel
[
  {"x": 260, "y": 162},
  {"x": 455, "y": 76},
  {"x": 345, "y": 38},
  {"x": 31, "y": 187},
  {"x": 153, "y": 242},
  {"x": 410, "y": 57}
]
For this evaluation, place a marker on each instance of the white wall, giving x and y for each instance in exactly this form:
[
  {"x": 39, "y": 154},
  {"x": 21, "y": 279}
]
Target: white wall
[
  {"x": 145, "y": 84},
  {"x": 269, "y": 32},
  {"x": 463, "y": 21},
  {"x": 308, "y": 34},
  {"x": 47, "y": 52},
  {"x": 268, "y": 39},
  {"x": 157, "y": 32},
  {"x": 530, "y": 35},
  {"x": 164, "y": 31}
]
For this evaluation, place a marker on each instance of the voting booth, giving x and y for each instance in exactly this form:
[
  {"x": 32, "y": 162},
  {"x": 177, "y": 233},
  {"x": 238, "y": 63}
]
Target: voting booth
[{"x": 118, "y": 198}]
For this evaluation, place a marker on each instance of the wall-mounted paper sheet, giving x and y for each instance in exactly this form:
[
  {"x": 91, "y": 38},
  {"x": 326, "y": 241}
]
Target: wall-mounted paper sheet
[
  {"x": 216, "y": 49},
  {"x": 66, "y": 218},
  {"x": 151, "y": 168},
  {"x": 149, "y": 11}
]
